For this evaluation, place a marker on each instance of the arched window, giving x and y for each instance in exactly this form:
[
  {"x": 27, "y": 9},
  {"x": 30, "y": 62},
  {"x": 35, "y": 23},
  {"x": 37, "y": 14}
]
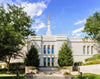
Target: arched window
[
  {"x": 48, "y": 49},
  {"x": 44, "y": 49},
  {"x": 91, "y": 49},
  {"x": 83, "y": 49},
  {"x": 52, "y": 49},
  {"x": 87, "y": 49}
]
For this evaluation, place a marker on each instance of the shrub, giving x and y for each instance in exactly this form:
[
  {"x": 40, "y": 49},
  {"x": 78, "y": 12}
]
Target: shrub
[
  {"x": 92, "y": 62},
  {"x": 67, "y": 73},
  {"x": 94, "y": 57},
  {"x": 65, "y": 57},
  {"x": 78, "y": 63}
]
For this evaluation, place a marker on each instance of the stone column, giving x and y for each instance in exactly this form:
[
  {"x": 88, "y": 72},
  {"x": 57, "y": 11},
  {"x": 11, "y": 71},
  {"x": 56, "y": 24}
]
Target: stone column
[
  {"x": 50, "y": 49},
  {"x": 46, "y": 49},
  {"x": 42, "y": 62}
]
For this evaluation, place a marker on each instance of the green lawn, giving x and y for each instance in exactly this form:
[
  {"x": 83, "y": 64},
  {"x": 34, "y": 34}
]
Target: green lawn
[
  {"x": 11, "y": 72},
  {"x": 11, "y": 78},
  {"x": 89, "y": 75}
]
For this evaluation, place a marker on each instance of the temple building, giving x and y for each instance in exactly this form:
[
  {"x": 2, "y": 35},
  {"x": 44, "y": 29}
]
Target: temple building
[{"x": 48, "y": 47}]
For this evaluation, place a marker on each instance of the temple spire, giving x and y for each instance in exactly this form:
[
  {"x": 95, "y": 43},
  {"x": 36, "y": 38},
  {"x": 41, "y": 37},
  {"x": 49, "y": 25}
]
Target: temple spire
[{"x": 48, "y": 31}]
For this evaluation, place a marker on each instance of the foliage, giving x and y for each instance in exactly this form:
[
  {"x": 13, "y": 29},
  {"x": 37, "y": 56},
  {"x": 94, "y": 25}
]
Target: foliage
[
  {"x": 65, "y": 57},
  {"x": 67, "y": 73},
  {"x": 14, "y": 65},
  {"x": 32, "y": 58},
  {"x": 92, "y": 26},
  {"x": 94, "y": 57},
  {"x": 78, "y": 63},
  {"x": 14, "y": 27},
  {"x": 92, "y": 62}
]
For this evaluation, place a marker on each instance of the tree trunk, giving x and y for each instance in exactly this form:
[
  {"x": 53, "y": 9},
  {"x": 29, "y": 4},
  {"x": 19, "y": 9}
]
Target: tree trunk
[{"x": 8, "y": 66}]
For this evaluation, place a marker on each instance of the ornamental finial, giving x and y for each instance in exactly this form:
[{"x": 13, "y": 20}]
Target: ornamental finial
[{"x": 48, "y": 17}]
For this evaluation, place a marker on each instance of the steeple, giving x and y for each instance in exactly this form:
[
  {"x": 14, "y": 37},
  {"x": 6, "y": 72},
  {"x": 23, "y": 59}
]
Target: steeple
[{"x": 48, "y": 31}]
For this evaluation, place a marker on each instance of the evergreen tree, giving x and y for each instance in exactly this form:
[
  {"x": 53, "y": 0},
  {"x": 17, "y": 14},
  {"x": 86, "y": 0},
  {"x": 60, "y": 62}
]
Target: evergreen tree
[
  {"x": 65, "y": 57},
  {"x": 32, "y": 58}
]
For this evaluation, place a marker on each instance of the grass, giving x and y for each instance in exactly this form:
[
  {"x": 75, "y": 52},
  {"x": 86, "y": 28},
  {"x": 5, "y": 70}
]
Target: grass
[
  {"x": 89, "y": 75},
  {"x": 9, "y": 77},
  {"x": 11, "y": 72}
]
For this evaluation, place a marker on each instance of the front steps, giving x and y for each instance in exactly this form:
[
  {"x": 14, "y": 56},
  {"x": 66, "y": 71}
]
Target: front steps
[{"x": 48, "y": 69}]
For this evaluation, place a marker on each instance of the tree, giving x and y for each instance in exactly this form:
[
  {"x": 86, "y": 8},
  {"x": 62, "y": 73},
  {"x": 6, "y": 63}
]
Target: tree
[
  {"x": 92, "y": 27},
  {"x": 14, "y": 27},
  {"x": 65, "y": 57},
  {"x": 32, "y": 58}
]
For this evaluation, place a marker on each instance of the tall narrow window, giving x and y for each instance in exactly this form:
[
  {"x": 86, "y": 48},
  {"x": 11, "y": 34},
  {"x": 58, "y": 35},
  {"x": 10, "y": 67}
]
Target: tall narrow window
[
  {"x": 87, "y": 49},
  {"x": 48, "y": 61},
  {"x": 48, "y": 49},
  {"x": 52, "y": 49},
  {"x": 44, "y": 49},
  {"x": 83, "y": 49},
  {"x": 52, "y": 61},
  {"x": 91, "y": 49},
  {"x": 44, "y": 61}
]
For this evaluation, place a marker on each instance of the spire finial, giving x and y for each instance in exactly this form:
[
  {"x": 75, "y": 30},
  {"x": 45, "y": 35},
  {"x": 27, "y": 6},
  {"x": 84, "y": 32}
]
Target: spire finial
[{"x": 48, "y": 17}]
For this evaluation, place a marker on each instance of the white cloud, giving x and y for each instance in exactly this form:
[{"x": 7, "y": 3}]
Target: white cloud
[
  {"x": 78, "y": 30},
  {"x": 38, "y": 27},
  {"x": 80, "y": 22},
  {"x": 34, "y": 9},
  {"x": 77, "y": 35}
]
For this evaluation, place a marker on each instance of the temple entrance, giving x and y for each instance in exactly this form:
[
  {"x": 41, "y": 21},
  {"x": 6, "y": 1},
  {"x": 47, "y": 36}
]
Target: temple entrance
[{"x": 48, "y": 62}]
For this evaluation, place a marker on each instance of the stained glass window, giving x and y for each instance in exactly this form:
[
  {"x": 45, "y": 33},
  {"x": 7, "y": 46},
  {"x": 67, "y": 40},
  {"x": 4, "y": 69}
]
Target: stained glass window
[
  {"x": 48, "y": 49},
  {"x": 44, "y": 49},
  {"x": 52, "y": 49},
  {"x": 48, "y": 61}
]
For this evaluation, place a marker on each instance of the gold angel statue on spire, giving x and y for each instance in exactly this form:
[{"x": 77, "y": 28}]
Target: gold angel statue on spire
[{"x": 48, "y": 17}]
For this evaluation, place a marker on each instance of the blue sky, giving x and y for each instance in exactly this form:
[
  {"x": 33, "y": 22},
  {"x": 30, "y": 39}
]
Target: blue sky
[{"x": 66, "y": 16}]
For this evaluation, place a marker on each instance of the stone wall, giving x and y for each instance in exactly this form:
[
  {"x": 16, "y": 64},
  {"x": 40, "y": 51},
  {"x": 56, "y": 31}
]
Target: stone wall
[{"x": 90, "y": 69}]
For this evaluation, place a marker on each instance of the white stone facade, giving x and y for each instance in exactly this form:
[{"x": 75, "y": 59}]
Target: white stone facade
[{"x": 40, "y": 41}]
